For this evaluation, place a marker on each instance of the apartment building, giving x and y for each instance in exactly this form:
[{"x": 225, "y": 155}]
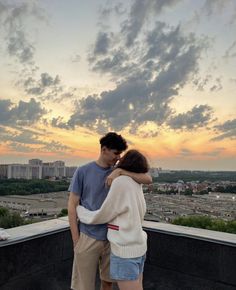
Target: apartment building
[{"x": 36, "y": 169}]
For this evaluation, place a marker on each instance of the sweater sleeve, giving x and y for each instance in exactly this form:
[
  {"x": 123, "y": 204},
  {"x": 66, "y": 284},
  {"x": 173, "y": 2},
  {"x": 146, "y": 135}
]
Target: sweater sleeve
[{"x": 113, "y": 205}]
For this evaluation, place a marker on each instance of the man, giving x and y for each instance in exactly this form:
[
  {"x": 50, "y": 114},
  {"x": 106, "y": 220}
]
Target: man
[{"x": 88, "y": 188}]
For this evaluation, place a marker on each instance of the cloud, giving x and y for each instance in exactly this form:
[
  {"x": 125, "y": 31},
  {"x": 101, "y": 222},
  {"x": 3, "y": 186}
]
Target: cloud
[
  {"x": 55, "y": 146},
  {"x": 26, "y": 137},
  {"x": 212, "y": 7},
  {"x": 227, "y": 129},
  {"x": 201, "y": 83},
  {"x": 22, "y": 139},
  {"x": 12, "y": 18},
  {"x": 139, "y": 13},
  {"x": 17, "y": 147},
  {"x": 115, "y": 63},
  {"x": 231, "y": 51},
  {"x": 233, "y": 18},
  {"x": 214, "y": 153},
  {"x": 149, "y": 134},
  {"x": 46, "y": 87},
  {"x": 106, "y": 12},
  {"x": 199, "y": 116},
  {"x": 102, "y": 43},
  {"x": 227, "y": 126},
  {"x": 76, "y": 58},
  {"x": 231, "y": 135},
  {"x": 25, "y": 113},
  {"x": 59, "y": 123},
  {"x": 147, "y": 76},
  {"x": 154, "y": 53},
  {"x": 186, "y": 152},
  {"x": 20, "y": 48},
  {"x": 233, "y": 80},
  {"x": 207, "y": 83},
  {"x": 25, "y": 140},
  {"x": 217, "y": 86}
]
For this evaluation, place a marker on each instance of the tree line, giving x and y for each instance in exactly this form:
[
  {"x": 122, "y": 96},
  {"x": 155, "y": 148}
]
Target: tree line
[
  {"x": 200, "y": 176},
  {"x": 33, "y": 186},
  {"x": 12, "y": 219},
  {"x": 206, "y": 222}
]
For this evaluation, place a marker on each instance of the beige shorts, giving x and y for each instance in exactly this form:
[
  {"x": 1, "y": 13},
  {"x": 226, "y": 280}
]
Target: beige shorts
[{"x": 88, "y": 255}]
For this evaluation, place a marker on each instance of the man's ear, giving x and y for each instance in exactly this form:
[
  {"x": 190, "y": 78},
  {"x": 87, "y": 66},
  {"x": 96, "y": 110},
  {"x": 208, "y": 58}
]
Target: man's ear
[{"x": 103, "y": 149}]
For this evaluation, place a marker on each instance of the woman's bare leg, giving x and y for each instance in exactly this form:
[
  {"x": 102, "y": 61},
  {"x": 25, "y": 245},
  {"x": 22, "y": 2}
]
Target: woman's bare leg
[
  {"x": 130, "y": 285},
  {"x": 141, "y": 279}
]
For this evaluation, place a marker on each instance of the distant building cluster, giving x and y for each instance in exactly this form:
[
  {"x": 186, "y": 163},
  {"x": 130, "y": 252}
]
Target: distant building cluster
[
  {"x": 154, "y": 172},
  {"x": 37, "y": 169},
  {"x": 166, "y": 208},
  {"x": 181, "y": 187},
  {"x": 37, "y": 205}
]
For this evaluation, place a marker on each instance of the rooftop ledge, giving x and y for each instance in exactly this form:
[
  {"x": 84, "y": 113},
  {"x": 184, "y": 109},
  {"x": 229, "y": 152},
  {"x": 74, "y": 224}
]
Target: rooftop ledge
[
  {"x": 39, "y": 257},
  {"x": 40, "y": 229}
]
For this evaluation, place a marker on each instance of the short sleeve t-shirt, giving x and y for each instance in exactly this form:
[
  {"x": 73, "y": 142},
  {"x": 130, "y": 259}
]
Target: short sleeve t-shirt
[{"x": 88, "y": 183}]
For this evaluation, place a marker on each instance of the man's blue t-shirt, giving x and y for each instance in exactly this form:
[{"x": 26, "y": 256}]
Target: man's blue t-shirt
[{"x": 88, "y": 183}]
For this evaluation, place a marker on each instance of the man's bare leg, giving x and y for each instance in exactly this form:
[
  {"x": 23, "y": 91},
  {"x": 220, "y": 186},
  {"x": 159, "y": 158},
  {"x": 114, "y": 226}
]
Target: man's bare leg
[{"x": 106, "y": 285}]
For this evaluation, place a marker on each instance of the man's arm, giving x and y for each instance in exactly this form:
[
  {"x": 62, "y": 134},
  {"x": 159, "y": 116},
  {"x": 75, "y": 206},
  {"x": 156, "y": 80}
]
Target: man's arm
[
  {"x": 72, "y": 216},
  {"x": 143, "y": 178}
]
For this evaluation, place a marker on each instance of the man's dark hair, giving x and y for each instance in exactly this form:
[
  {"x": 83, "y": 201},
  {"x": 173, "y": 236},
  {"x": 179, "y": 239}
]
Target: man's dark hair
[
  {"x": 134, "y": 161},
  {"x": 114, "y": 141}
]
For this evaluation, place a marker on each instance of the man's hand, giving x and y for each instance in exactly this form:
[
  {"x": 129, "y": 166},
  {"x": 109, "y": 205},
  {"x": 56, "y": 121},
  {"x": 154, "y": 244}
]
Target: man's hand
[
  {"x": 115, "y": 173},
  {"x": 75, "y": 241},
  {"x": 72, "y": 216}
]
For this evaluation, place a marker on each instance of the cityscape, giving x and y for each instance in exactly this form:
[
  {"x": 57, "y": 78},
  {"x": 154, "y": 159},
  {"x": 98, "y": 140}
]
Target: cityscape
[{"x": 165, "y": 200}]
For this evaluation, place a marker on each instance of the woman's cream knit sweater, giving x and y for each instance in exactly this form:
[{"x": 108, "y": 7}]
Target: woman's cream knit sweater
[{"x": 123, "y": 210}]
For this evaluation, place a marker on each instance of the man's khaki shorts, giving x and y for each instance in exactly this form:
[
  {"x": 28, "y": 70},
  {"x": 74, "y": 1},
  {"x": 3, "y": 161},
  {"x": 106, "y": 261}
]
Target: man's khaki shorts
[{"x": 88, "y": 254}]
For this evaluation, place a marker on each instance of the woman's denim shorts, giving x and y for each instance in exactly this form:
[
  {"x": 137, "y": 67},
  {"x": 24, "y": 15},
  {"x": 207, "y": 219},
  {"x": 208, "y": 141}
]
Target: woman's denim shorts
[{"x": 126, "y": 268}]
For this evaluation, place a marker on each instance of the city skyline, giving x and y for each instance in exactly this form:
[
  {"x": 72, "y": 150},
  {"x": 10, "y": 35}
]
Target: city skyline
[
  {"x": 161, "y": 73},
  {"x": 153, "y": 170}
]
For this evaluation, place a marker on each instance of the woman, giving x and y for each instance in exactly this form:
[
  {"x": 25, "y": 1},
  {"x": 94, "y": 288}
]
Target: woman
[{"x": 124, "y": 209}]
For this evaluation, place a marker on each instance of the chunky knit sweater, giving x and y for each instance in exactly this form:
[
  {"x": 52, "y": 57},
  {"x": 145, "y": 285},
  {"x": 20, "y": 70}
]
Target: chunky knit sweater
[{"x": 123, "y": 210}]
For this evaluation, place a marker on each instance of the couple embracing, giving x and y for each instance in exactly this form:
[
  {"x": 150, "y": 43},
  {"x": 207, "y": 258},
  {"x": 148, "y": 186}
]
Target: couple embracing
[{"x": 106, "y": 198}]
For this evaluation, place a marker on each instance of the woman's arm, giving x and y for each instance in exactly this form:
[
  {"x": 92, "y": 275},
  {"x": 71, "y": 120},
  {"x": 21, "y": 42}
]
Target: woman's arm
[
  {"x": 141, "y": 178},
  {"x": 112, "y": 206}
]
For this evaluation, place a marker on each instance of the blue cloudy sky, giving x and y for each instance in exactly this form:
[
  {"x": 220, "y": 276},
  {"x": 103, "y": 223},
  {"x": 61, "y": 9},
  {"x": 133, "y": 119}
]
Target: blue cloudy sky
[{"x": 162, "y": 73}]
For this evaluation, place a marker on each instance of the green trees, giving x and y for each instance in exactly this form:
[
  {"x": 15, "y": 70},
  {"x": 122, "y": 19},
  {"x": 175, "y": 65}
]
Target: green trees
[
  {"x": 205, "y": 222},
  {"x": 228, "y": 189},
  {"x": 188, "y": 191},
  {"x": 25, "y": 187},
  {"x": 64, "y": 212},
  {"x": 10, "y": 220}
]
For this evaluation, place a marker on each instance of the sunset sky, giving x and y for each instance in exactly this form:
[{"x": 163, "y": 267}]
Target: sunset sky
[{"x": 161, "y": 73}]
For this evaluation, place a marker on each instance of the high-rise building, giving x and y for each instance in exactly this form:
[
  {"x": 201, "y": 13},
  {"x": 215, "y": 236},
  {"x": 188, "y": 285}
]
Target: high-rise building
[
  {"x": 3, "y": 170},
  {"x": 18, "y": 171},
  {"x": 70, "y": 171},
  {"x": 36, "y": 162},
  {"x": 36, "y": 169}
]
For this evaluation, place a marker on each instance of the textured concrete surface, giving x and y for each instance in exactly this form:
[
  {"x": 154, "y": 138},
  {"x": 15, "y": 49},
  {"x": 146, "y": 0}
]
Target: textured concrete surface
[{"x": 39, "y": 257}]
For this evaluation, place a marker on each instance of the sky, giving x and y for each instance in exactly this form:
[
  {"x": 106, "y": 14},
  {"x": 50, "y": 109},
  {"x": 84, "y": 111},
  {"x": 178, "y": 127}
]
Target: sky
[{"x": 161, "y": 73}]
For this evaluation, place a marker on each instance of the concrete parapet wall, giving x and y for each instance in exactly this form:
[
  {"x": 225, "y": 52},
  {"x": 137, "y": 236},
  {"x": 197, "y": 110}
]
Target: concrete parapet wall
[{"x": 39, "y": 257}]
